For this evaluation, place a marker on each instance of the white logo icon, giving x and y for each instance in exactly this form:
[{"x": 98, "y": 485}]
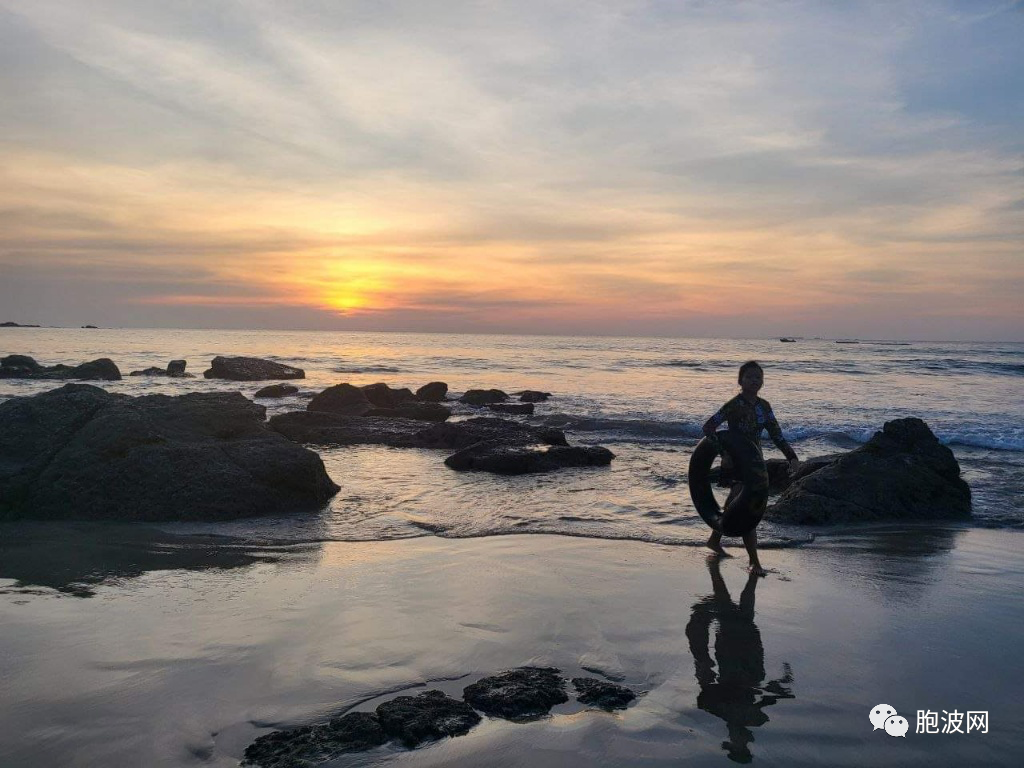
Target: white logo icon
[
  {"x": 879, "y": 714},
  {"x": 896, "y": 726}
]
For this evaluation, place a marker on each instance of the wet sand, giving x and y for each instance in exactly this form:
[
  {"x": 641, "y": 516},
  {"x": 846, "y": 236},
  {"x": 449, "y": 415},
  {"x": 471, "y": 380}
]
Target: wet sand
[{"x": 180, "y": 651}]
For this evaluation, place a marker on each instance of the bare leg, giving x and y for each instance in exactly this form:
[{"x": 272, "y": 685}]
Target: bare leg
[
  {"x": 750, "y": 542},
  {"x": 715, "y": 544}
]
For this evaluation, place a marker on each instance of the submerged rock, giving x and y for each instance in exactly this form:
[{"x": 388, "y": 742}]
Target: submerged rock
[
  {"x": 432, "y": 715},
  {"x": 504, "y": 459},
  {"x": 341, "y": 399},
  {"x": 434, "y": 392},
  {"x": 311, "y": 745},
  {"x": 24, "y": 367},
  {"x": 175, "y": 370},
  {"x": 532, "y": 396},
  {"x": 278, "y": 390},
  {"x": 901, "y": 473},
  {"x": 518, "y": 694},
  {"x": 601, "y": 693},
  {"x": 80, "y": 452},
  {"x": 324, "y": 428},
  {"x": 483, "y": 396},
  {"x": 519, "y": 409},
  {"x": 462, "y": 434},
  {"x": 250, "y": 369}
]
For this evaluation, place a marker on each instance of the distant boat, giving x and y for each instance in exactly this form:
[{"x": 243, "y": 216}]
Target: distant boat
[
  {"x": 786, "y": 338},
  {"x": 848, "y": 341}
]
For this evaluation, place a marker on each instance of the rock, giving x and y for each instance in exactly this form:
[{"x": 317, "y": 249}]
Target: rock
[
  {"x": 434, "y": 392},
  {"x": 532, "y": 396},
  {"x": 277, "y": 390},
  {"x": 324, "y": 428},
  {"x": 483, "y": 397},
  {"x": 462, "y": 434},
  {"x": 151, "y": 371},
  {"x": 519, "y": 409},
  {"x": 24, "y": 367},
  {"x": 504, "y": 459},
  {"x": 382, "y": 396},
  {"x": 177, "y": 367},
  {"x": 430, "y": 716},
  {"x": 779, "y": 478},
  {"x": 250, "y": 369},
  {"x": 175, "y": 370},
  {"x": 342, "y": 399},
  {"x": 80, "y": 452},
  {"x": 901, "y": 473},
  {"x": 312, "y": 745},
  {"x": 413, "y": 410},
  {"x": 519, "y": 694},
  {"x": 600, "y": 693}
]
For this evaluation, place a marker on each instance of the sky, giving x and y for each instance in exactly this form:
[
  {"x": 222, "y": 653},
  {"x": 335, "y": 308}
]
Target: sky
[{"x": 738, "y": 168}]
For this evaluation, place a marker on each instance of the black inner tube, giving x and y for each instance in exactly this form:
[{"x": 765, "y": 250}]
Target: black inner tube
[{"x": 745, "y": 511}]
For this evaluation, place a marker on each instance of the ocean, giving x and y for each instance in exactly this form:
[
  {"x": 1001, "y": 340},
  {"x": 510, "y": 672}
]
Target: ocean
[{"x": 644, "y": 398}]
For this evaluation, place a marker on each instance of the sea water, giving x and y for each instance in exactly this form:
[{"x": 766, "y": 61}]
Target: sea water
[{"x": 644, "y": 398}]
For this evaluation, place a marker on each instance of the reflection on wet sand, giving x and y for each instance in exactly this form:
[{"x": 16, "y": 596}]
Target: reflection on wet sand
[
  {"x": 74, "y": 558},
  {"x": 735, "y": 693}
]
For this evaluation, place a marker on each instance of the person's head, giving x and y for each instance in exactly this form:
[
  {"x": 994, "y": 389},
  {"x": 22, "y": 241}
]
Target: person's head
[{"x": 751, "y": 376}]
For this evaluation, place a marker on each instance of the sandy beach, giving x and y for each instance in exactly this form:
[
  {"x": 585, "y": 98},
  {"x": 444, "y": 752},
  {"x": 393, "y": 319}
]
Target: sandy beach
[{"x": 186, "y": 651}]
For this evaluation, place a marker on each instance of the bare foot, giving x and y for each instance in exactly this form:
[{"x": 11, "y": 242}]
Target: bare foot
[
  {"x": 715, "y": 545},
  {"x": 757, "y": 570}
]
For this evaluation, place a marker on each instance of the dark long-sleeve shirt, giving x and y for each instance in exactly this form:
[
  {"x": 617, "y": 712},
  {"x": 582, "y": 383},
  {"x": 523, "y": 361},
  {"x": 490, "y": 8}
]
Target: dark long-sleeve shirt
[{"x": 749, "y": 419}]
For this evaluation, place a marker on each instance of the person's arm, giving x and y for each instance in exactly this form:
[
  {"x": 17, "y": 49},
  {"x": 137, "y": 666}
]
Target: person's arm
[
  {"x": 712, "y": 424},
  {"x": 775, "y": 433}
]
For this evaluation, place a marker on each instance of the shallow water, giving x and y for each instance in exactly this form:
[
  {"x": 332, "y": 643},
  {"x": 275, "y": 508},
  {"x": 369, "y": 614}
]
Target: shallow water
[{"x": 176, "y": 662}]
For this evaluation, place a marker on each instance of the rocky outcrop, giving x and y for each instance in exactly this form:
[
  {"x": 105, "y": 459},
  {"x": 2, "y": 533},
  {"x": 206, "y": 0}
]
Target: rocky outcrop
[
  {"x": 80, "y": 452},
  {"x": 519, "y": 694},
  {"x": 432, "y": 715},
  {"x": 175, "y": 370},
  {"x": 341, "y": 399},
  {"x": 504, "y": 459},
  {"x": 434, "y": 392},
  {"x": 513, "y": 409},
  {"x": 324, "y": 428},
  {"x": 311, "y": 745},
  {"x": 601, "y": 693},
  {"x": 277, "y": 390},
  {"x": 483, "y": 397},
  {"x": 779, "y": 477},
  {"x": 413, "y": 410},
  {"x": 532, "y": 396},
  {"x": 901, "y": 473},
  {"x": 462, "y": 434},
  {"x": 250, "y": 369},
  {"x": 382, "y": 396},
  {"x": 24, "y": 367}
]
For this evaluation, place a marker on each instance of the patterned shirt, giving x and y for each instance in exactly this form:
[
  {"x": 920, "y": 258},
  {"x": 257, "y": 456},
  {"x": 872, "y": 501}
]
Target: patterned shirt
[{"x": 750, "y": 418}]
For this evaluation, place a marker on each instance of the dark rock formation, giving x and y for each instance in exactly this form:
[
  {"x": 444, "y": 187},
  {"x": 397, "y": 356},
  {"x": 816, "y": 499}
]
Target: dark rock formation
[
  {"x": 462, "y": 434},
  {"x": 341, "y": 399},
  {"x": 434, "y": 392},
  {"x": 503, "y": 459},
  {"x": 175, "y": 370},
  {"x": 430, "y": 716},
  {"x": 413, "y": 410},
  {"x": 278, "y": 390},
  {"x": 312, "y": 745},
  {"x": 250, "y": 369},
  {"x": 779, "y": 477},
  {"x": 483, "y": 397},
  {"x": 601, "y": 693},
  {"x": 901, "y": 473},
  {"x": 382, "y": 396},
  {"x": 518, "y": 409},
  {"x": 80, "y": 452},
  {"x": 24, "y": 367},
  {"x": 519, "y": 694},
  {"x": 324, "y": 428},
  {"x": 532, "y": 396}
]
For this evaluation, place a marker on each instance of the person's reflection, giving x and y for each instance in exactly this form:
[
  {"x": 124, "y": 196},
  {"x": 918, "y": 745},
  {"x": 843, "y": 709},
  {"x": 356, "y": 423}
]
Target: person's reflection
[{"x": 736, "y": 693}]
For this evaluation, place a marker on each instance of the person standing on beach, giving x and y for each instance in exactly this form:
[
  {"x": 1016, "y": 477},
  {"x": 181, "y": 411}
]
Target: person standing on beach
[{"x": 748, "y": 415}]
